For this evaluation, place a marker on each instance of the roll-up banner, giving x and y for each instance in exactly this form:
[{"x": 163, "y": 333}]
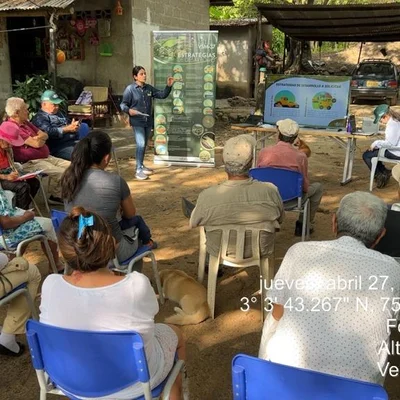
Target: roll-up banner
[{"x": 184, "y": 122}]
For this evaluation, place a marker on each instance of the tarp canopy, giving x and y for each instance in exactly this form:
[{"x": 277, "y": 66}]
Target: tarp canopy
[
  {"x": 12, "y": 5},
  {"x": 344, "y": 23}
]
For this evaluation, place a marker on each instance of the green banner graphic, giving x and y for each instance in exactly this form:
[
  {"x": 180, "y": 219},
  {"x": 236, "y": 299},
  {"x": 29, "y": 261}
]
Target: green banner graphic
[{"x": 184, "y": 122}]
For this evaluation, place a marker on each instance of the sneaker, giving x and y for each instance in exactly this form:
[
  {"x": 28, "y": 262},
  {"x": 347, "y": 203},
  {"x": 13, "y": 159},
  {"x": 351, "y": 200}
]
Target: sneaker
[
  {"x": 152, "y": 244},
  {"x": 299, "y": 229},
  {"x": 141, "y": 175},
  {"x": 148, "y": 171},
  {"x": 381, "y": 180},
  {"x": 55, "y": 200}
]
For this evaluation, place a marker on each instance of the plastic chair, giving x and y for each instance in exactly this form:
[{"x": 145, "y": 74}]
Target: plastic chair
[
  {"x": 256, "y": 379},
  {"x": 91, "y": 364},
  {"x": 16, "y": 248},
  {"x": 266, "y": 264},
  {"x": 381, "y": 157},
  {"x": 126, "y": 266},
  {"x": 290, "y": 186},
  {"x": 21, "y": 289}
]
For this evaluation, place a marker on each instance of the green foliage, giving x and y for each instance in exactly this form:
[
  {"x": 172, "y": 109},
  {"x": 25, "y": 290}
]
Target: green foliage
[{"x": 32, "y": 88}]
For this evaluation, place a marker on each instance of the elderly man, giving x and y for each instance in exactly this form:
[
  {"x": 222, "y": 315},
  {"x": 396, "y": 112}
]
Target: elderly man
[
  {"x": 390, "y": 242},
  {"x": 239, "y": 200},
  {"x": 285, "y": 155},
  {"x": 34, "y": 153},
  {"x": 334, "y": 302},
  {"x": 63, "y": 134}
]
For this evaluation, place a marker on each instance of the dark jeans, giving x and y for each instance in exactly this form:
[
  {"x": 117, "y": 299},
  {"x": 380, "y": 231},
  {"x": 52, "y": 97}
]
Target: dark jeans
[
  {"x": 22, "y": 191},
  {"x": 142, "y": 135},
  {"x": 138, "y": 222},
  {"x": 380, "y": 168}
]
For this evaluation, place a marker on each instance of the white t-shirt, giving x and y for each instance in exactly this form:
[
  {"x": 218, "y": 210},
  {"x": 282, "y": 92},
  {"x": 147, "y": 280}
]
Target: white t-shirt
[
  {"x": 128, "y": 305},
  {"x": 324, "y": 327},
  {"x": 392, "y": 137}
]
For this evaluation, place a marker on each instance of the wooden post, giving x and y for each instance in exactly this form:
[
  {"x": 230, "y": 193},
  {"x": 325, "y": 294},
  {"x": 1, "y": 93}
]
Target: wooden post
[
  {"x": 284, "y": 54},
  {"x": 53, "y": 55},
  {"x": 359, "y": 54},
  {"x": 257, "y": 74}
]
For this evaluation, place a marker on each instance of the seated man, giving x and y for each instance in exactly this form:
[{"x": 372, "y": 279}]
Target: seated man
[
  {"x": 285, "y": 155},
  {"x": 239, "y": 200},
  {"x": 334, "y": 312},
  {"x": 34, "y": 153},
  {"x": 63, "y": 134},
  {"x": 390, "y": 242},
  {"x": 18, "y": 311}
]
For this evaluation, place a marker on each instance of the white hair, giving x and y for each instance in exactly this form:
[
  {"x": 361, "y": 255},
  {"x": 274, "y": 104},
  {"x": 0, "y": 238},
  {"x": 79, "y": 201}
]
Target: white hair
[
  {"x": 13, "y": 105},
  {"x": 362, "y": 216}
]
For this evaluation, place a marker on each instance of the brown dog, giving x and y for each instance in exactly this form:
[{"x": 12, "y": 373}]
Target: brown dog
[
  {"x": 191, "y": 296},
  {"x": 302, "y": 146}
]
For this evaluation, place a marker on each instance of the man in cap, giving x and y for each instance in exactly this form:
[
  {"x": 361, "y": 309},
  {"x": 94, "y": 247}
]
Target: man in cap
[
  {"x": 285, "y": 155},
  {"x": 384, "y": 115},
  {"x": 63, "y": 134},
  {"x": 239, "y": 200}
]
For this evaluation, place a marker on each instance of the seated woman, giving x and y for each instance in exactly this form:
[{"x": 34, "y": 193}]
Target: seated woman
[
  {"x": 23, "y": 190},
  {"x": 18, "y": 310},
  {"x": 112, "y": 303},
  {"x": 19, "y": 225},
  {"x": 384, "y": 115},
  {"x": 86, "y": 183},
  {"x": 34, "y": 154}
]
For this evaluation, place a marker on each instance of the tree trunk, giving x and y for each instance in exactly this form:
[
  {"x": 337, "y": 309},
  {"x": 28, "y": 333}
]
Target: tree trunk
[{"x": 298, "y": 56}]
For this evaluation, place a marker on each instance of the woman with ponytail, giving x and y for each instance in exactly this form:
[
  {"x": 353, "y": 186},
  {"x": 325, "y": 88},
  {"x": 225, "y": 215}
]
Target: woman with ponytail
[
  {"x": 385, "y": 115},
  {"x": 111, "y": 303},
  {"x": 86, "y": 183}
]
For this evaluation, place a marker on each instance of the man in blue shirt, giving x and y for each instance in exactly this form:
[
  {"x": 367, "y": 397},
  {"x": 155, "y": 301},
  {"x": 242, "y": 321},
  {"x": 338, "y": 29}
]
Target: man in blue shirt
[
  {"x": 63, "y": 133},
  {"x": 137, "y": 102}
]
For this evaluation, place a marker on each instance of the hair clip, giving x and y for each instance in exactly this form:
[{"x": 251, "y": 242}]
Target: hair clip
[{"x": 83, "y": 223}]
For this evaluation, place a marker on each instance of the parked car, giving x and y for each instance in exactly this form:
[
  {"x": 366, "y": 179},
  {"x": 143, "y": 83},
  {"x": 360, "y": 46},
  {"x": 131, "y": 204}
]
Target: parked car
[{"x": 375, "y": 79}]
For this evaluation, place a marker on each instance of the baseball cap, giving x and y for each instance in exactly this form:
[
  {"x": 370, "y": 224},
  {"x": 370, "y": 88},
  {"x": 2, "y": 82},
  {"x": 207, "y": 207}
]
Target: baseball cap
[
  {"x": 288, "y": 127},
  {"x": 239, "y": 150},
  {"x": 9, "y": 132},
  {"x": 51, "y": 96},
  {"x": 380, "y": 111}
]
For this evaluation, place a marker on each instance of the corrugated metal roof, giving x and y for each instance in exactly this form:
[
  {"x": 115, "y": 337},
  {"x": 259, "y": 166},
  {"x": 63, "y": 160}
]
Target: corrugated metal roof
[
  {"x": 11, "y": 5},
  {"x": 236, "y": 22},
  {"x": 344, "y": 23}
]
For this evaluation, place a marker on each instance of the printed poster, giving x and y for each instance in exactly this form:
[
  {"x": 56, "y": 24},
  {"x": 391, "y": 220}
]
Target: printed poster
[
  {"x": 184, "y": 122},
  {"x": 312, "y": 101}
]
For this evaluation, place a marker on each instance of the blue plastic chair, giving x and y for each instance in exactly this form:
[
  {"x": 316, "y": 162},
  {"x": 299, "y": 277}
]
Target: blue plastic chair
[
  {"x": 290, "y": 187},
  {"x": 21, "y": 289},
  {"x": 91, "y": 364},
  {"x": 126, "y": 266},
  {"x": 256, "y": 379}
]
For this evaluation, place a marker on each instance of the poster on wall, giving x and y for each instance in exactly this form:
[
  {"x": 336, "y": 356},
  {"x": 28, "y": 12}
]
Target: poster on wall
[
  {"x": 312, "y": 101},
  {"x": 184, "y": 122}
]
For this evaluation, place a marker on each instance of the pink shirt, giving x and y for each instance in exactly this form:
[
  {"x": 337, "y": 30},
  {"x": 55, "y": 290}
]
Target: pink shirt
[
  {"x": 26, "y": 153},
  {"x": 284, "y": 155}
]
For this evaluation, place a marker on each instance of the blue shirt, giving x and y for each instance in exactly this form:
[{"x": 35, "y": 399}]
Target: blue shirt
[
  {"x": 53, "y": 125},
  {"x": 140, "y": 98}
]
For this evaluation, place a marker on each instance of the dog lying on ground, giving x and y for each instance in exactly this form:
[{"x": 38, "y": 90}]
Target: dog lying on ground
[{"x": 191, "y": 296}]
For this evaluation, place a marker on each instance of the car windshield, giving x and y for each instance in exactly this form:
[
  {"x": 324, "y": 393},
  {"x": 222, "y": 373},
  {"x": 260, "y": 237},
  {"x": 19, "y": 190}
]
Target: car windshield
[{"x": 376, "y": 69}]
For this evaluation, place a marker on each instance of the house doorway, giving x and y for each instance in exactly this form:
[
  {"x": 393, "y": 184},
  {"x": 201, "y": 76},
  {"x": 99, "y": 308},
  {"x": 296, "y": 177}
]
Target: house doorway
[{"x": 27, "y": 48}]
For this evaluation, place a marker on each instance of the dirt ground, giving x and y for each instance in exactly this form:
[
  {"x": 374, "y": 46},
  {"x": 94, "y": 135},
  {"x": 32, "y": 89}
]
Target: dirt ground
[{"x": 212, "y": 344}]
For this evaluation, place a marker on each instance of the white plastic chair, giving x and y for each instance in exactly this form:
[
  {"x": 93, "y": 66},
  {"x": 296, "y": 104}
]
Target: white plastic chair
[
  {"x": 21, "y": 289},
  {"x": 17, "y": 248},
  {"x": 381, "y": 157},
  {"x": 266, "y": 264}
]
